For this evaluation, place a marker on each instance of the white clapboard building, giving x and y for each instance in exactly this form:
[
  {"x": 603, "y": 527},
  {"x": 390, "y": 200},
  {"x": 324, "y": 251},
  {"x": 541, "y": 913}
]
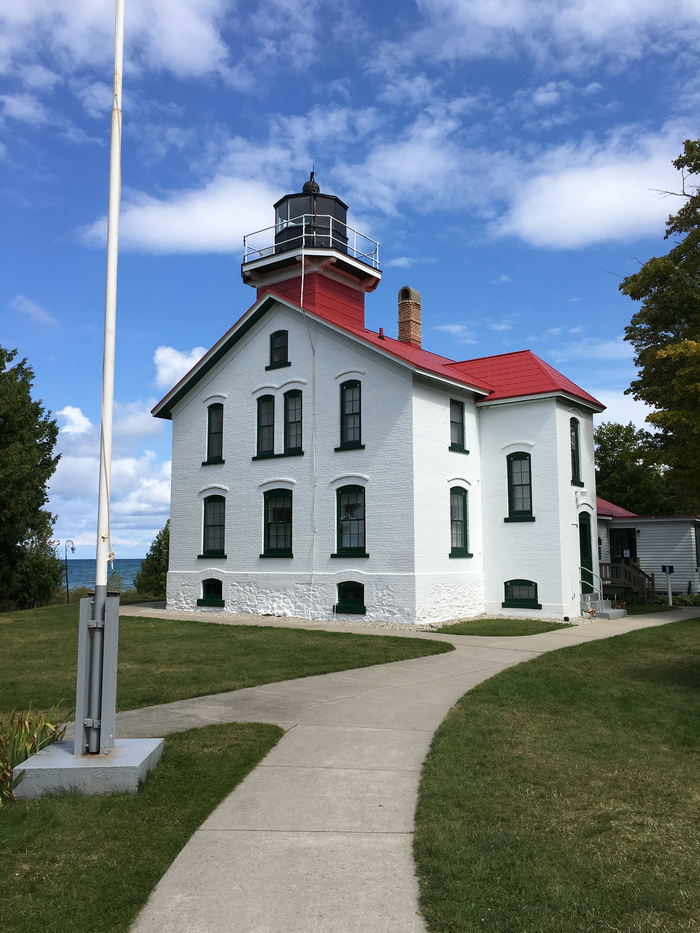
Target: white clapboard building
[{"x": 321, "y": 469}]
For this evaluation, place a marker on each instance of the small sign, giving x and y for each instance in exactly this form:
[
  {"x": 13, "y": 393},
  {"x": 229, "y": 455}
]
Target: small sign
[{"x": 667, "y": 568}]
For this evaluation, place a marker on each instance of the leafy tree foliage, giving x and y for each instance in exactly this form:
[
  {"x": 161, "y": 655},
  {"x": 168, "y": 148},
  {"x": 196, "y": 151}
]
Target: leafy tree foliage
[
  {"x": 150, "y": 579},
  {"x": 626, "y": 473},
  {"x": 665, "y": 333},
  {"x": 30, "y": 572}
]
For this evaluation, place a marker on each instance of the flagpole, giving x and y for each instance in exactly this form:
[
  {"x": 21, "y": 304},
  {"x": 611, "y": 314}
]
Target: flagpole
[{"x": 95, "y": 743}]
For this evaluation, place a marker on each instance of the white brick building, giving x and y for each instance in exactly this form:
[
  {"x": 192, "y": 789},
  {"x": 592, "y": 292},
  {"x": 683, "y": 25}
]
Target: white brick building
[{"x": 320, "y": 467}]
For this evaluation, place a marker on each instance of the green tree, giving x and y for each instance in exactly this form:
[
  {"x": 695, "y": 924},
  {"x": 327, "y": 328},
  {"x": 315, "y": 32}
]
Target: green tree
[
  {"x": 150, "y": 579},
  {"x": 30, "y": 572},
  {"x": 665, "y": 333},
  {"x": 626, "y": 471}
]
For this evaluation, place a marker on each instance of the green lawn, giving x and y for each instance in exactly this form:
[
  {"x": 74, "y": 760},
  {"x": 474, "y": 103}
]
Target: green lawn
[
  {"x": 561, "y": 795},
  {"x": 644, "y": 608},
  {"x": 502, "y": 627},
  {"x": 162, "y": 660},
  {"x": 87, "y": 864}
]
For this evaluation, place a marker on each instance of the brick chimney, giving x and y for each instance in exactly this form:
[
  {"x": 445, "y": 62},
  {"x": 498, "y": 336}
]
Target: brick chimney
[{"x": 409, "y": 316}]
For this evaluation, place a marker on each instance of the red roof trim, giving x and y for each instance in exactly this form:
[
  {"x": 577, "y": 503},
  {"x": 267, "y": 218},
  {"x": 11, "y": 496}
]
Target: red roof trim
[{"x": 523, "y": 374}]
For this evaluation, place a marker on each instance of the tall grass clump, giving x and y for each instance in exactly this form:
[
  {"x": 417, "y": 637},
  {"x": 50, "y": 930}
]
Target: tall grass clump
[{"x": 23, "y": 734}]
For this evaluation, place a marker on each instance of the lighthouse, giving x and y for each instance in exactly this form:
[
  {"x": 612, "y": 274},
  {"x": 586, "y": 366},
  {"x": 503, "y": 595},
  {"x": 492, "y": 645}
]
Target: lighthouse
[{"x": 312, "y": 257}]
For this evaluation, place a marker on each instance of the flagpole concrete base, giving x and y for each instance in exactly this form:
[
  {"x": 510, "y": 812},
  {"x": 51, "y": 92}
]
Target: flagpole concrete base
[{"x": 55, "y": 769}]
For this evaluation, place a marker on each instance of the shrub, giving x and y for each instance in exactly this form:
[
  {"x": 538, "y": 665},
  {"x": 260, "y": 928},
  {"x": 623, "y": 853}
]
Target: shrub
[
  {"x": 23, "y": 734},
  {"x": 152, "y": 576}
]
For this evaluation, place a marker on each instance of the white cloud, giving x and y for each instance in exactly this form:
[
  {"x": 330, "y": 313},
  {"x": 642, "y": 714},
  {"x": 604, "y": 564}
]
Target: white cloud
[
  {"x": 24, "y": 108},
  {"x": 577, "y": 195},
  {"x": 140, "y": 486},
  {"x": 212, "y": 219},
  {"x": 502, "y": 279},
  {"x": 459, "y": 332},
  {"x": 76, "y": 421},
  {"x": 400, "y": 262},
  {"x": 26, "y": 306},
  {"x": 37, "y": 77},
  {"x": 591, "y": 348},
  {"x": 500, "y": 325},
  {"x": 171, "y": 364},
  {"x": 620, "y": 408},
  {"x": 571, "y": 35}
]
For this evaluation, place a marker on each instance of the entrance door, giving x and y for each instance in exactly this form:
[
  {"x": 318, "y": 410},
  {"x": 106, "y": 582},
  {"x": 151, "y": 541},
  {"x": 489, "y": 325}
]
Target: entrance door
[
  {"x": 586, "y": 550},
  {"x": 623, "y": 545}
]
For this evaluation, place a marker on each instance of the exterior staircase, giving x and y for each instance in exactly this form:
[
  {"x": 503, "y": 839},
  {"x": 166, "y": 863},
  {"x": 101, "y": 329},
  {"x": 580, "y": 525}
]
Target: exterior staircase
[
  {"x": 593, "y": 603},
  {"x": 623, "y": 579},
  {"x": 603, "y": 607}
]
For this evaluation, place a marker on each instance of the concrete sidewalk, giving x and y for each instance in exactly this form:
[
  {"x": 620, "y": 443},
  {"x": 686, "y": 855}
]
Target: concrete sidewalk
[{"x": 318, "y": 838}]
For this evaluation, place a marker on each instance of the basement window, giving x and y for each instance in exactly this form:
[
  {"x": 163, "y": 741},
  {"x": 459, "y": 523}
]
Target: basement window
[
  {"x": 351, "y": 598},
  {"x": 520, "y": 594},
  {"x": 212, "y": 594}
]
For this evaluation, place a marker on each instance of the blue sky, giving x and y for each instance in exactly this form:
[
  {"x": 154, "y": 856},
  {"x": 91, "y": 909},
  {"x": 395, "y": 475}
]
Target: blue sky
[{"x": 508, "y": 154}]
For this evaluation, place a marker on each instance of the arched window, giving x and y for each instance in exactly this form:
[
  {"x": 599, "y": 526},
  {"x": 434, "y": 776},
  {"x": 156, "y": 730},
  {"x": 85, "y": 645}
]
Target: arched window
[
  {"x": 575, "y": 452},
  {"x": 459, "y": 522},
  {"x": 279, "y": 349},
  {"x": 350, "y": 522},
  {"x": 215, "y": 433},
  {"x": 520, "y": 594},
  {"x": 212, "y": 593},
  {"x": 519, "y": 488},
  {"x": 292, "y": 422},
  {"x": 266, "y": 426},
  {"x": 351, "y": 598},
  {"x": 278, "y": 523},
  {"x": 350, "y": 415},
  {"x": 214, "y": 526}
]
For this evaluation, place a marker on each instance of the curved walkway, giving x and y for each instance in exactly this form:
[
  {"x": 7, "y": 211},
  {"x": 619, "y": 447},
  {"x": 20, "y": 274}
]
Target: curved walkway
[{"x": 318, "y": 838}]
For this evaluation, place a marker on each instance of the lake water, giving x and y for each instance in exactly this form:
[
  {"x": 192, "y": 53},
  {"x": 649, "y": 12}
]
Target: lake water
[{"x": 82, "y": 572}]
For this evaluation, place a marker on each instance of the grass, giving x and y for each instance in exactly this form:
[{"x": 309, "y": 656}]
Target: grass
[
  {"x": 161, "y": 660},
  {"x": 644, "y": 608},
  {"x": 74, "y": 864},
  {"x": 561, "y": 795},
  {"x": 502, "y": 627}
]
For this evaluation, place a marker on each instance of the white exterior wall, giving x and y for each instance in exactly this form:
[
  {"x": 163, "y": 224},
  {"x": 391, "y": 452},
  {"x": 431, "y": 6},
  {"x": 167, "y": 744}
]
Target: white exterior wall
[
  {"x": 545, "y": 551},
  {"x": 446, "y": 588},
  {"x": 573, "y": 500},
  {"x": 305, "y": 585}
]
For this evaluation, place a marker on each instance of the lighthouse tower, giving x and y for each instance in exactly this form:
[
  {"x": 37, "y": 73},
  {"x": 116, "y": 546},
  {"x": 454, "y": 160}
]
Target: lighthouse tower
[{"x": 312, "y": 257}]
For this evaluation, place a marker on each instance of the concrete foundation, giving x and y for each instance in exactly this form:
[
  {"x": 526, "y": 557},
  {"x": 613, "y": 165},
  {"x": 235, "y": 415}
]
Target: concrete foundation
[{"x": 55, "y": 769}]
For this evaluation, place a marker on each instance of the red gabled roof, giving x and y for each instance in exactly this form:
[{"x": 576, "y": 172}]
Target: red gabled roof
[
  {"x": 603, "y": 507},
  {"x": 521, "y": 373},
  {"x": 509, "y": 375}
]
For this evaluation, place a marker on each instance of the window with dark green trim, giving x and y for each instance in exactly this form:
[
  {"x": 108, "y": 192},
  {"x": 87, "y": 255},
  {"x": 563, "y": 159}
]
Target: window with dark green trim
[
  {"x": 457, "y": 426},
  {"x": 215, "y": 433},
  {"x": 212, "y": 593},
  {"x": 214, "y": 526},
  {"x": 266, "y": 426},
  {"x": 574, "y": 433},
  {"x": 351, "y": 598},
  {"x": 350, "y": 509},
  {"x": 459, "y": 522},
  {"x": 279, "y": 349},
  {"x": 278, "y": 523},
  {"x": 350, "y": 415},
  {"x": 520, "y": 594},
  {"x": 292, "y": 421},
  {"x": 519, "y": 487}
]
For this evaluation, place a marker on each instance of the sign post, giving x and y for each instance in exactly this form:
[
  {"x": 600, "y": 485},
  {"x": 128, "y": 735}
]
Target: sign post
[{"x": 668, "y": 570}]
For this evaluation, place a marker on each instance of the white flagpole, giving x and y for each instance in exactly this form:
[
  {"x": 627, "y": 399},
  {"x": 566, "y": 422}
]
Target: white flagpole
[{"x": 103, "y": 531}]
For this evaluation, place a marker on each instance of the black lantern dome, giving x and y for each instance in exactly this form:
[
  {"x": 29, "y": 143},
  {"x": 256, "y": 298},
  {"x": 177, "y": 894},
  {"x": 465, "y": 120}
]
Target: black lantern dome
[{"x": 311, "y": 220}]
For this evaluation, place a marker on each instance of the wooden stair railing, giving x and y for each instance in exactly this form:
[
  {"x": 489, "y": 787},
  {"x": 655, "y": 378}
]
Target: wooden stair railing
[{"x": 629, "y": 577}]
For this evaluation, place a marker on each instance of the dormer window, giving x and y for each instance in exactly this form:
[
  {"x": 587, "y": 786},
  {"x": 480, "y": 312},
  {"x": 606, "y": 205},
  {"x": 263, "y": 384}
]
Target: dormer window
[{"x": 279, "y": 349}]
